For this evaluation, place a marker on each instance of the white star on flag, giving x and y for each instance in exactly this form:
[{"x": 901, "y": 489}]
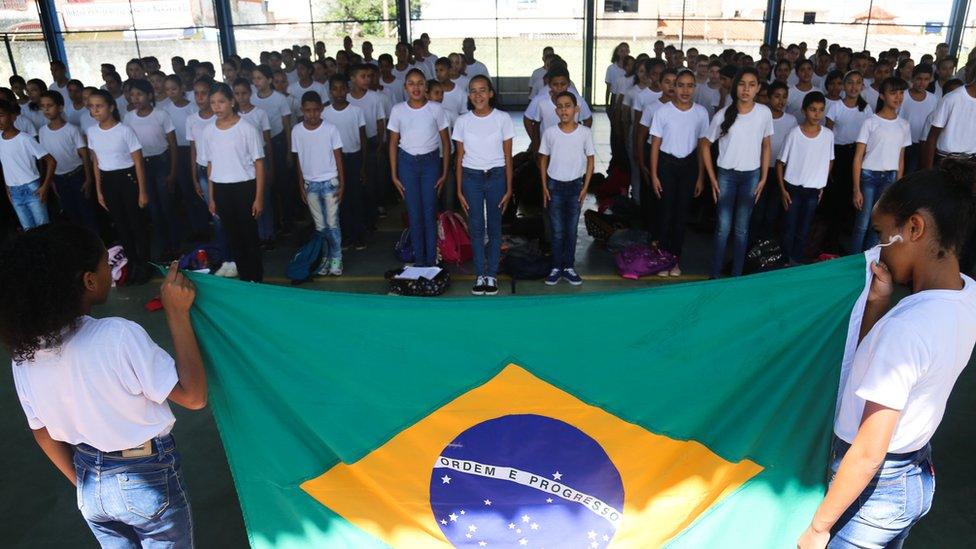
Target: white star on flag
[
  {"x": 557, "y": 475},
  {"x": 467, "y": 536},
  {"x": 511, "y": 525},
  {"x": 606, "y": 537},
  {"x": 523, "y": 541},
  {"x": 594, "y": 545},
  {"x": 445, "y": 479},
  {"x": 443, "y": 521},
  {"x": 472, "y": 528},
  {"x": 487, "y": 502},
  {"x": 453, "y": 517},
  {"x": 518, "y": 530},
  {"x": 548, "y": 500},
  {"x": 591, "y": 534},
  {"x": 482, "y": 543},
  {"x": 462, "y": 511},
  {"x": 535, "y": 525},
  {"x": 525, "y": 518}
]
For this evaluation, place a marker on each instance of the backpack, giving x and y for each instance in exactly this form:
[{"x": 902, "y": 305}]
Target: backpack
[
  {"x": 305, "y": 260},
  {"x": 601, "y": 226},
  {"x": 766, "y": 255},
  {"x": 524, "y": 261},
  {"x": 641, "y": 260},
  {"x": 403, "y": 249},
  {"x": 201, "y": 256},
  {"x": 421, "y": 287},
  {"x": 118, "y": 263},
  {"x": 625, "y": 238},
  {"x": 453, "y": 242}
]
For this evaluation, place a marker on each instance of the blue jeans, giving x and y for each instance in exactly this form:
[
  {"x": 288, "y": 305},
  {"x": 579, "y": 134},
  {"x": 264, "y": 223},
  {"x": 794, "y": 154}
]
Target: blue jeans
[
  {"x": 564, "y": 211},
  {"x": 30, "y": 210},
  {"x": 419, "y": 174},
  {"x": 872, "y": 185},
  {"x": 735, "y": 200},
  {"x": 134, "y": 502},
  {"x": 77, "y": 207},
  {"x": 895, "y": 500},
  {"x": 483, "y": 190},
  {"x": 218, "y": 229},
  {"x": 324, "y": 207},
  {"x": 162, "y": 205},
  {"x": 803, "y": 205}
]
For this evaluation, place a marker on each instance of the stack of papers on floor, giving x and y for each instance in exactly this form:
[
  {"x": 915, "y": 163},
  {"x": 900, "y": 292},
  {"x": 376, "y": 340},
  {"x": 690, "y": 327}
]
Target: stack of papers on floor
[{"x": 414, "y": 273}]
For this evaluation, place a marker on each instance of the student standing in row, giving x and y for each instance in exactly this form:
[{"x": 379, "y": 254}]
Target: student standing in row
[
  {"x": 351, "y": 123},
  {"x": 321, "y": 179},
  {"x": 371, "y": 104},
  {"x": 179, "y": 109},
  {"x": 769, "y": 209},
  {"x": 743, "y": 132},
  {"x": 879, "y": 159},
  {"x": 279, "y": 117},
  {"x": 195, "y": 124},
  {"x": 19, "y": 154},
  {"x": 260, "y": 120},
  {"x": 807, "y": 154},
  {"x": 677, "y": 174},
  {"x": 234, "y": 152},
  {"x": 156, "y": 133},
  {"x": 484, "y": 177},
  {"x": 952, "y": 126},
  {"x": 418, "y": 130},
  {"x": 96, "y": 392},
  {"x": 540, "y": 115},
  {"x": 844, "y": 118},
  {"x": 917, "y": 109},
  {"x": 72, "y": 173},
  {"x": 566, "y": 156}
]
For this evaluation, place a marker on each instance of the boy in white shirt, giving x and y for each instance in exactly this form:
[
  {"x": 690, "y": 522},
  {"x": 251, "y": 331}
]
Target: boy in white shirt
[
  {"x": 372, "y": 106},
  {"x": 18, "y": 154},
  {"x": 351, "y": 123},
  {"x": 73, "y": 169},
  {"x": 321, "y": 178},
  {"x": 566, "y": 156},
  {"x": 541, "y": 115}
]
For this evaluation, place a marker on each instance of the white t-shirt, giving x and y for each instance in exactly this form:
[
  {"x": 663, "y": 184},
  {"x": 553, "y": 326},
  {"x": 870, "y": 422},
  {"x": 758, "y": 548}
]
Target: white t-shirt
[
  {"x": 870, "y": 95},
  {"x": 679, "y": 130},
  {"x": 179, "y": 116},
  {"x": 295, "y": 89},
  {"x": 475, "y": 69},
  {"x": 647, "y": 115},
  {"x": 419, "y": 129},
  {"x": 19, "y": 156},
  {"x": 483, "y": 137},
  {"x": 707, "y": 97},
  {"x": 542, "y": 109},
  {"x": 917, "y": 112},
  {"x": 276, "y": 105},
  {"x": 794, "y": 102},
  {"x": 195, "y": 125},
  {"x": 113, "y": 147},
  {"x": 909, "y": 361},
  {"x": 85, "y": 121},
  {"x": 36, "y": 118},
  {"x": 257, "y": 118},
  {"x": 347, "y": 121},
  {"x": 315, "y": 150},
  {"x": 637, "y": 98},
  {"x": 63, "y": 145},
  {"x": 292, "y": 76},
  {"x": 394, "y": 91},
  {"x": 782, "y": 127},
  {"x": 151, "y": 130},
  {"x": 614, "y": 72},
  {"x": 741, "y": 148},
  {"x": 537, "y": 81},
  {"x": 567, "y": 152},
  {"x": 105, "y": 386},
  {"x": 807, "y": 159},
  {"x": 232, "y": 152},
  {"x": 884, "y": 140},
  {"x": 847, "y": 121},
  {"x": 956, "y": 115},
  {"x": 73, "y": 115},
  {"x": 372, "y": 106},
  {"x": 622, "y": 84},
  {"x": 63, "y": 90},
  {"x": 122, "y": 105},
  {"x": 455, "y": 102},
  {"x": 25, "y": 125}
]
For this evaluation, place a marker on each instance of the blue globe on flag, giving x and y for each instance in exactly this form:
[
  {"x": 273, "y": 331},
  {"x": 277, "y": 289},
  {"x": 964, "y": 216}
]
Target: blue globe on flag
[{"x": 526, "y": 481}]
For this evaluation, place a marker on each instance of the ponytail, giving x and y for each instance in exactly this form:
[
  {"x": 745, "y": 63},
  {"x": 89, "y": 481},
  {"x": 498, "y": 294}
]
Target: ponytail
[{"x": 732, "y": 111}]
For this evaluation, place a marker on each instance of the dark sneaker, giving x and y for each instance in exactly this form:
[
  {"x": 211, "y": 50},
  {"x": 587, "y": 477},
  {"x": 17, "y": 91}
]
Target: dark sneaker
[
  {"x": 360, "y": 244},
  {"x": 571, "y": 277},
  {"x": 491, "y": 286},
  {"x": 479, "y": 286},
  {"x": 553, "y": 277}
]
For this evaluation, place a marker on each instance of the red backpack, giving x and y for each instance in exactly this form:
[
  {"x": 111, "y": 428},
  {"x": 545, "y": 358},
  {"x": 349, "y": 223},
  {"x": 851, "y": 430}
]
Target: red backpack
[{"x": 453, "y": 242}]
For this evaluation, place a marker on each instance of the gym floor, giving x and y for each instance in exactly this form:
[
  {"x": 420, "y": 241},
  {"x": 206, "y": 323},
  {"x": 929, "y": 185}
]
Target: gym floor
[{"x": 39, "y": 505}]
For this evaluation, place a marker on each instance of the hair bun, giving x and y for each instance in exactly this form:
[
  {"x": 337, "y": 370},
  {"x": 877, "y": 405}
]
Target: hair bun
[{"x": 960, "y": 171}]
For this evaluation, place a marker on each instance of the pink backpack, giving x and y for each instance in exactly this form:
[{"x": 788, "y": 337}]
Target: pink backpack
[
  {"x": 639, "y": 260},
  {"x": 453, "y": 242}
]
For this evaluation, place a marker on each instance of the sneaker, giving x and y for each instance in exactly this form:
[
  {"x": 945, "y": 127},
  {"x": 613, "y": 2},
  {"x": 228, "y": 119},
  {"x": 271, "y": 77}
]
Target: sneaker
[
  {"x": 360, "y": 244},
  {"x": 553, "y": 277},
  {"x": 335, "y": 266},
  {"x": 491, "y": 286},
  {"x": 324, "y": 268},
  {"x": 664, "y": 274},
  {"x": 479, "y": 286},
  {"x": 571, "y": 277},
  {"x": 381, "y": 212},
  {"x": 675, "y": 271},
  {"x": 227, "y": 270}
]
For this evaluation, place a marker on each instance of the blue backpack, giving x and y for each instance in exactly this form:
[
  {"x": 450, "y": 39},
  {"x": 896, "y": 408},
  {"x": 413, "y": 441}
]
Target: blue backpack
[
  {"x": 403, "y": 249},
  {"x": 303, "y": 263}
]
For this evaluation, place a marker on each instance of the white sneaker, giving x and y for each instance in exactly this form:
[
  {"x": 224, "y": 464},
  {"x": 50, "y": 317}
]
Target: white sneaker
[
  {"x": 335, "y": 267},
  {"x": 323, "y": 267},
  {"x": 227, "y": 270}
]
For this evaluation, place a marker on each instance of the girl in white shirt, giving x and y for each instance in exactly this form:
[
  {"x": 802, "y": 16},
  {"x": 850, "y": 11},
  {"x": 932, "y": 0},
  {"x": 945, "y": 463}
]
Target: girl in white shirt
[
  {"x": 260, "y": 120},
  {"x": 73, "y": 171},
  {"x": 879, "y": 158},
  {"x": 120, "y": 181},
  {"x": 196, "y": 123},
  {"x": 96, "y": 393},
  {"x": 32, "y": 110},
  {"x": 907, "y": 360},
  {"x": 484, "y": 177},
  {"x": 917, "y": 108},
  {"x": 640, "y": 93},
  {"x": 615, "y": 70},
  {"x": 234, "y": 152},
  {"x": 279, "y": 117},
  {"x": 418, "y": 131},
  {"x": 157, "y": 134},
  {"x": 180, "y": 109},
  {"x": 743, "y": 131}
]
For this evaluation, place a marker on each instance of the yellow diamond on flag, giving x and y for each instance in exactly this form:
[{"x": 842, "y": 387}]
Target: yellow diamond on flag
[{"x": 517, "y": 462}]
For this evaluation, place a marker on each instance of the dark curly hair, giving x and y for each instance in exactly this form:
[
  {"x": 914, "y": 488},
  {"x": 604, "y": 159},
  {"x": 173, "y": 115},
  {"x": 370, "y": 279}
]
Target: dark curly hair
[{"x": 41, "y": 285}]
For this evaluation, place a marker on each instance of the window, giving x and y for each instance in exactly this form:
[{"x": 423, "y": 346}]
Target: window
[
  {"x": 809, "y": 17},
  {"x": 620, "y": 6}
]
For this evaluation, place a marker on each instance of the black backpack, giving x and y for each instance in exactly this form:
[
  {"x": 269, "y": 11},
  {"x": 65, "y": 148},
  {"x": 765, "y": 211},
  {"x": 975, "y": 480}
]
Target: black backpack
[
  {"x": 765, "y": 255},
  {"x": 421, "y": 287}
]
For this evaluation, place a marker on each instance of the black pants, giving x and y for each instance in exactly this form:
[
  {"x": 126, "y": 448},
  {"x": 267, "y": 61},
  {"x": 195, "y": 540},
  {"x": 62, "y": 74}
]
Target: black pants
[
  {"x": 234, "y": 202},
  {"x": 678, "y": 177},
  {"x": 837, "y": 204},
  {"x": 648, "y": 200},
  {"x": 121, "y": 193},
  {"x": 768, "y": 212},
  {"x": 352, "y": 209},
  {"x": 285, "y": 196}
]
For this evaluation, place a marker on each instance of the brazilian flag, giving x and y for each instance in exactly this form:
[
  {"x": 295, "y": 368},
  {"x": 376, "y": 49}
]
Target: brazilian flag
[{"x": 692, "y": 415}]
